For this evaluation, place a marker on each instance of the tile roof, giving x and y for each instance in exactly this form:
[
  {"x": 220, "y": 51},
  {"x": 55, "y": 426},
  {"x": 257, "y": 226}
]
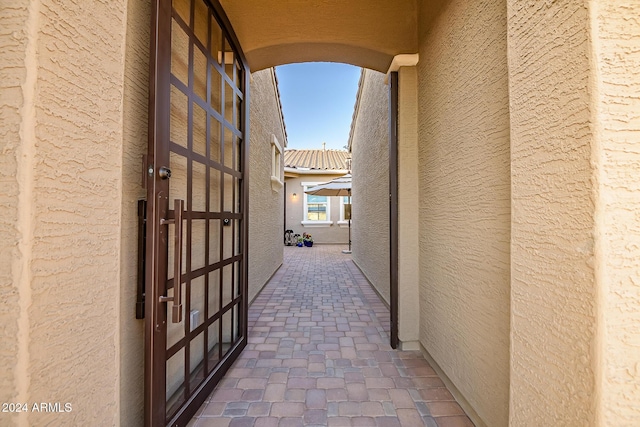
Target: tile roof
[{"x": 316, "y": 159}]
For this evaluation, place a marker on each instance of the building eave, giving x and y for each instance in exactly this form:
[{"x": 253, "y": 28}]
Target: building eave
[{"x": 294, "y": 172}]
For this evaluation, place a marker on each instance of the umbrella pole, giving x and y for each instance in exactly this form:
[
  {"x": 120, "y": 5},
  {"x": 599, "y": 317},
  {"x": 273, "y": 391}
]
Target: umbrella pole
[
  {"x": 350, "y": 222},
  {"x": 349, "y": 251}
]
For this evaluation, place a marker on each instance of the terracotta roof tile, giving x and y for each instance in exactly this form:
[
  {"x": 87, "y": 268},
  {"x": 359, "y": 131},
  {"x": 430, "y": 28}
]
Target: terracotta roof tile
[{"x": 316, "y": 159}]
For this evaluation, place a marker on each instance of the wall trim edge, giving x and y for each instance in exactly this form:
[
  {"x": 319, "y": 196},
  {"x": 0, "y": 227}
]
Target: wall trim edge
[
  {"x": 462, "y": 401},
  {"x": 265, "y": 284},
  {"x": 402, "y": 60}
]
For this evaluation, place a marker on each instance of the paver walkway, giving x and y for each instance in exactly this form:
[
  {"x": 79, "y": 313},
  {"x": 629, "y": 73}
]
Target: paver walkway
[{"x": 318, "y": 354}]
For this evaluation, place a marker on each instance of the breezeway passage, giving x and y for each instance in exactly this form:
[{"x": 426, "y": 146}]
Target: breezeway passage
[{"x": 318, "y": 355}]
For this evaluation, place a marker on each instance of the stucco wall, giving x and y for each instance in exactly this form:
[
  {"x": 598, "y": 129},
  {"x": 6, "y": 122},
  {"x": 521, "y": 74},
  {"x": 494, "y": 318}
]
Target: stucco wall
[
  {"x": 295, "y": 206},
  {"x": 370, "y": 170},
  {"x": 69, "y": 183},
  {"x": 553, "y": 289},
  {"x": 464, "y": 173},
  {"x": 363, "y": 32},
  {"x": 616, "y": 39},
  {"x": 266, "y": 204},
  {"x": 13, "y": 46},
  {"x": 67, "y": 258},
  {"x": 408, "y": 210},
  {"x": 135, "y": 127}
]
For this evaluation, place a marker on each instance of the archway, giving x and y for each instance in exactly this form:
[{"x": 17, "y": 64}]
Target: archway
[{"x": 360, "y": 32}]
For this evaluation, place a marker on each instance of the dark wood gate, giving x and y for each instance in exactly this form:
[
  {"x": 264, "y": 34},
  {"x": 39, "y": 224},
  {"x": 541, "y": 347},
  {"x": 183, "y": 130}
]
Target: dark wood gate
[{"x": 196, "y": 266}]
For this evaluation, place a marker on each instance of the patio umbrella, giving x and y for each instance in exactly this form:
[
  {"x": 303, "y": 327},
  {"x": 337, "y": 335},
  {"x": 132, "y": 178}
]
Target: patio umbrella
[{"x": 337, "y": 187}]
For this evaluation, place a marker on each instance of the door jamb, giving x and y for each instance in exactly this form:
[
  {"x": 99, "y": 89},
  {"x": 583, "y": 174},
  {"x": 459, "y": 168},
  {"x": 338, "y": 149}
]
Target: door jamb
[
  {"x": 158, "y": 102},
  {"x": 393, "y": 206}
]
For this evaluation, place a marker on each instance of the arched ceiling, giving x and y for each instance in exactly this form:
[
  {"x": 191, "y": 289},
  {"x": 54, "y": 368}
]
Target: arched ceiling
[{"x": 366, "y": 33}]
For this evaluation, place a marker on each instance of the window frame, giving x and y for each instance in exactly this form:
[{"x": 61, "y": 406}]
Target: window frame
[
  {"x": 344, "y": 222},
  {"x": 313, "y": 223},
  {"x": 276, "y": 164}
]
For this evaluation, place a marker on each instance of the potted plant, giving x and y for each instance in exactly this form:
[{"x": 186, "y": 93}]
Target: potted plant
[
  {"x": 300, "y": 241},
  {"x": 307, "y": 239}
]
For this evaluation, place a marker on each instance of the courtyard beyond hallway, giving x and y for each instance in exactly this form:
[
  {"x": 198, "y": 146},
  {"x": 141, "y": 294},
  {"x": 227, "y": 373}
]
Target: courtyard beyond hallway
[{"x": 318, "y": 354}]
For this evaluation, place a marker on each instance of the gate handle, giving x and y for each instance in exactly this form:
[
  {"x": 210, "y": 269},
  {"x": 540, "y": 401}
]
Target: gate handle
[{"x": 176, "y": 313}]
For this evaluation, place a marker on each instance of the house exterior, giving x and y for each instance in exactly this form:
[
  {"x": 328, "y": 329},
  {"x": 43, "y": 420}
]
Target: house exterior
[
  {"x": 369, "y": 148},
  {"x": 369, "y": 145},
  {"x": 321, "y": 216},
  {"x": 266, "y": 189},
  {"x": 518, "y": 194}
]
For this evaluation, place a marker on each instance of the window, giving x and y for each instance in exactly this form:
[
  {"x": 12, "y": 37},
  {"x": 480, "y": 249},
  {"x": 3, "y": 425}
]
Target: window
[
  {"x": 317, "y": 209},
  {"x": 276, "y": 164},
  {"x": 344, "y": 207}
]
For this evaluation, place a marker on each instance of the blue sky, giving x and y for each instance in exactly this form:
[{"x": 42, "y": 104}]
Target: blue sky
[{"x": 317, "y": 102}]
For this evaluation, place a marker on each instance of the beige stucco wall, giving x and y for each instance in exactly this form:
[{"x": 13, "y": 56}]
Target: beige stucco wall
[
  {"x": 370, "y": 170},
  {"x": 67, "y": 331},
  {"x": 617, "y": 163},
  {"x": 65, "y": 242},
  {"x": 13, "y": 73},
  {"x": 266, "y": 202},
  {"x": 367, "y": 33},
  {"x": 408, "y": 210},
  {"x": 553, "y": 294},
  {"x": 464, "y": 174},
  {"x": 295, "y": 206},
  {"x": 135, "y": 128}
]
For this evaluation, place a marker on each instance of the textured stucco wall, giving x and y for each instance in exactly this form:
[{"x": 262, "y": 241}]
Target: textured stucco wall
[
  {"x": 67, "y": 256},
  {"x": 295, "y": 206},
  {"x": 408, "y": 210},
  {"x": 464, "y": 173},
  {"x": 370, "y": 170},
  {"x": 366, "y": 33},
  {"x": 135, "y": 129},
  {"x": 553, "y": 296},
  {"x": 616, "y": 39},
  {"x": 13, "y": 73},
  {"x": 69, "y": 183},
  {"x": 266, "y": 205}
]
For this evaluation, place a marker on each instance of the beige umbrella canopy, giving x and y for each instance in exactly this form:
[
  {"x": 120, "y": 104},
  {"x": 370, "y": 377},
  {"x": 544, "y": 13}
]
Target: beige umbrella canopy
[{"x": 336, "y": 187}]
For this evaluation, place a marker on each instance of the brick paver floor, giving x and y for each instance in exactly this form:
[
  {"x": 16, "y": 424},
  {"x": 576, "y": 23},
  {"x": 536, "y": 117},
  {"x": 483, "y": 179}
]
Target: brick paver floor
[{"x": 318, "y": 354}]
